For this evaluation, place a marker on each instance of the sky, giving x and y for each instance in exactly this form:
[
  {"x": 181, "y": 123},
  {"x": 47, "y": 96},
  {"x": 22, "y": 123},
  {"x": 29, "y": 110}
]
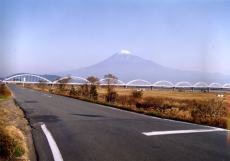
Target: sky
[{"x": 49, "y": 36}]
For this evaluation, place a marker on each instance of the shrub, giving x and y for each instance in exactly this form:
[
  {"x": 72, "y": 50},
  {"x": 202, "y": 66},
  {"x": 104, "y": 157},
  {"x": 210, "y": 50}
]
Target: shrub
[
  {"x": 42, "y": 85},
  {"x": 61, "y": 87},
  {"x": 176, "y": 113},
  {"x": 137, "y": 94},
  {"x": 167, "y": 104},
  {"x": 111, "y": 96},
  {"x": 93, "y": 92},
  {"x": 131, "y": 101},
  {"x": 4, "y": 91},
  {"x": 85, "y": 90},
  {"x": 122, "y": 100},
  {"x": 150, "y": 102},
  {"x": 208, "y": 111},
  {"x": 72, "y": 91},
  {"x": 10, "y": 146},
  {"x": 51, "y": 90}
]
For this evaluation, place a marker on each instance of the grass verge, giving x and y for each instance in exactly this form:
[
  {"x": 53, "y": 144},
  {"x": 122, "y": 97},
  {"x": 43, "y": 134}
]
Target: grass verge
[{"x": 14, "y": 129}]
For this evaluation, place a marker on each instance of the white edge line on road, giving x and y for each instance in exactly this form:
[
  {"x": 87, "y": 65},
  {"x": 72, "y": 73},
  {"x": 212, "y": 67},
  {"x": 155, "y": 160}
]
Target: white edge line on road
[
  {"x": 53, "y": 146},
  {"x": 155, "y": 133}
]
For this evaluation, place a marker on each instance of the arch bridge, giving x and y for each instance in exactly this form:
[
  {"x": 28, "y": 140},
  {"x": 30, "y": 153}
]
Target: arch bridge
[
  {"x": 26, "y": 78},
  {"x": 74, "y": 80}
]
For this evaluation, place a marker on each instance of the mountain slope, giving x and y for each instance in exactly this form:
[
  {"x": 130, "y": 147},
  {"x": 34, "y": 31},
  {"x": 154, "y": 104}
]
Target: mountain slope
[{"x": 128, "y": 67}]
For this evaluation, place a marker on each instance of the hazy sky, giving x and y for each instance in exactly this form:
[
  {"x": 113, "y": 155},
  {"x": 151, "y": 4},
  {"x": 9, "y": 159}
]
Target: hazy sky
[{"x": 45, "y": 36}]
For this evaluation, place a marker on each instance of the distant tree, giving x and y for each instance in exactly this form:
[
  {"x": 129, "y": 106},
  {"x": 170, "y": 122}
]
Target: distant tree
[
  {"x": 85, "y": 90},
  {"x": 93, "y": 92},
  {"x": 93, "y": 87},
  {"x": 93, "y": 80},
  {"x": 111, "y": 80}
]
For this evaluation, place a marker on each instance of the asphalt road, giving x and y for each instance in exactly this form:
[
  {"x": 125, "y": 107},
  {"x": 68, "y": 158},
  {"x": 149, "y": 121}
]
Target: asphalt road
[{"x": 89, "y": 132}]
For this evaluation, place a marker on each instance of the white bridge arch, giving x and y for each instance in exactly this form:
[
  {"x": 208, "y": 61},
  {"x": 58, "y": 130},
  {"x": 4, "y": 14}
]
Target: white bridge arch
[
  {"x": 26, "y": 78},
  {"x": 200, "y": 85},
  {"x": 163, "y": 83},
  {"x": 72, "y": 80},
  {"x": 138, "y": 82},
  {"x": 183, "y": 84},
  {"x": 227, "y": 85},
  {"x": 215, "y": 85}
]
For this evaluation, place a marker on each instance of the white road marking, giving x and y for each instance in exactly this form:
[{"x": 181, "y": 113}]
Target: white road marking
[
  {"x": 53, "y": 146},
  {"x": 155, "y": 133}
]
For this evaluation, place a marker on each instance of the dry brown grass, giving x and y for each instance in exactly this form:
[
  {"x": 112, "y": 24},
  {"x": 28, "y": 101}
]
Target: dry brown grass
[
  {"x": 14, "y": 130},
  {"x": 193, "y": 106},
  {"x": 166, "y": 93},
  {"x": 12, "y": 143}
]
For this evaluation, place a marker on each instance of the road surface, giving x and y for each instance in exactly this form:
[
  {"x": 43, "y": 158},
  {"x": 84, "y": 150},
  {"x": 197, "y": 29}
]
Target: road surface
[{"x": 89, "y": 132}]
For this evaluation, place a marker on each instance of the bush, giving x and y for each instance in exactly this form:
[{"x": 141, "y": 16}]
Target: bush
[
  {"x": 111, "y": 96},
  {"x": 72, "y": 91},
  {"x": 208, "y": 111},
  {"x": 42, "y": 85},
  {"x": 61, "y": 87},
  {"x": 51, "y": 90},
  {"x": 84, "y": 91},
  {"x": 93, "y": 92},
  {"x": 132, "y": 101},
  {"x": 4, "y": 91},
  {"x": 150, "y": 102},
  {"x": 10, "y": 148},
  {"x": 123, "y": 100},
  {"x": 137, "y": 94}
]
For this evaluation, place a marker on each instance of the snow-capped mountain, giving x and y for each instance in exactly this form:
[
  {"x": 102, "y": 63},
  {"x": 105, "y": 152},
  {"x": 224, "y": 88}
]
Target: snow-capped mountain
[{"x": 127, "y": 66}]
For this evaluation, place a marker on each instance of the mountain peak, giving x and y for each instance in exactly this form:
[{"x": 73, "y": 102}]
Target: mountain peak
[
  {"x": 127, "y": 66},
  {"x": 124, "y": 52}
]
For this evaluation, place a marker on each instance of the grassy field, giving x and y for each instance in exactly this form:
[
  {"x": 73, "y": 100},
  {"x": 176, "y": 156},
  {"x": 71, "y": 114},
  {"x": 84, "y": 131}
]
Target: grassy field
[
  {"x": 170, "y": 94},
  {"x": 191, "y": 106}
]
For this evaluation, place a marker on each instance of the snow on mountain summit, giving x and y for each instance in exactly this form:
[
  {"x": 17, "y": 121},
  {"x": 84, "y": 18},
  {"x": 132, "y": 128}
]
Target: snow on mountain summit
[{"x": 124, "y": 52}]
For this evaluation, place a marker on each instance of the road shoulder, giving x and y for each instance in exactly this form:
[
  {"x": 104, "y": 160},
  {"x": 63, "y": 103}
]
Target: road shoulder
[{"x": 14, "y": 122}]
